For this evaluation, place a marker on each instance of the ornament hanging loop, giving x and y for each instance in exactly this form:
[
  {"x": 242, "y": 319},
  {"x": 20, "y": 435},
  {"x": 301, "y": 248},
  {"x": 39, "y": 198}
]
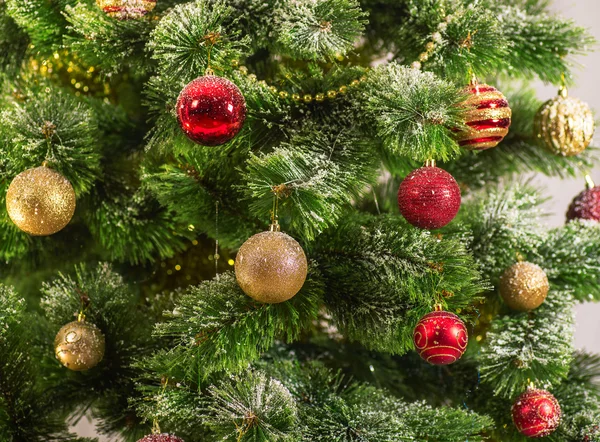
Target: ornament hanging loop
[
  {"x": 275, "y": 227},
  {"x": 563, "y": 91},
  {"x": 589, "y": 182}
]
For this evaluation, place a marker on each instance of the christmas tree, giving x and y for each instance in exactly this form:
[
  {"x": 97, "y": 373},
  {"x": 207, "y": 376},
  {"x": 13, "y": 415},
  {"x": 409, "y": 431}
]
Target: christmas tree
[{"x": 240, "y": 220}]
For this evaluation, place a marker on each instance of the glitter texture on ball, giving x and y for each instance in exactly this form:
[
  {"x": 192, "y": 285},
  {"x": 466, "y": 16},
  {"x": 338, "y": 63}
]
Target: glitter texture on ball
[
  {"x": 536, "y": 413},
  {"x": 524, "y": 286},
  {"x": 586, "y": 205},
  {"x": 440, "y": 338},
  {"x": 40, "y": 201},
  {"x": 564, "y": 125},
  {"x": 488, "y": 118},
  {"x": 211, "y": 110},
  {"x": 126, "y": 9},
  {"x": 79, "y": 345},
  {"x": 429, "y": 198},
  {"x": 271, "y": 267},
  {"x": 164, "y": 437}
]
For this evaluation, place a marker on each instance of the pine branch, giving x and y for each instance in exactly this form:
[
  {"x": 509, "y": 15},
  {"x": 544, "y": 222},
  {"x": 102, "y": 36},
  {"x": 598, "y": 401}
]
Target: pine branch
[
  {"x": 321, "y": 30},
  {"x": 215, "y": 326},
  {"x": 570, "y": 255},
  {"x": 105, "y": 43},
  {"x": 316, "y": 176},
  {"x": 411, "y": 112},
  {"x": 388, "y": 276},
  {"x": 535, "y": 346},
  {"x": 49, "y": 124}
]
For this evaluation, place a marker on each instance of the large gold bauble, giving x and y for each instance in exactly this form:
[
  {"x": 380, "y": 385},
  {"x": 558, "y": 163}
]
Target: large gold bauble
[
  {"x": 79, "y": 345},
  {"x": 271, "y": 267},
  {"x": 40, "y": 201},
  {"x": 564, "y": 125},
  {"x": 524, "y": 286}
]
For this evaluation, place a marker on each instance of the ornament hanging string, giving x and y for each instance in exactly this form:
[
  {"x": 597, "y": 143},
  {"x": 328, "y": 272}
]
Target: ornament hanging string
[
  {"x": 217, "y": 256},
  {"x": 210, "y": 39},
  {"x": 155, "y": 425}
]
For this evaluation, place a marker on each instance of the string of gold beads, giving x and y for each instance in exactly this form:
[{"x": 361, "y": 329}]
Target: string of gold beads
[{"x": 300, "y": 97}]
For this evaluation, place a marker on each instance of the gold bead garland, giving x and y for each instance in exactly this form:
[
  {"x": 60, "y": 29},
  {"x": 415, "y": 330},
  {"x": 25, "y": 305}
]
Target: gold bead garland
[{"x": 300, "y": 97}]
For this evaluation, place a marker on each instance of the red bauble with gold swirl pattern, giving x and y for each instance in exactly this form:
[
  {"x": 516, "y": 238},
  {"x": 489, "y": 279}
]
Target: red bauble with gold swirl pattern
[
  {"x": 536, "y": 413},
  {"x": 488, "y": 117},
  {"x": 440, "y": 338}
]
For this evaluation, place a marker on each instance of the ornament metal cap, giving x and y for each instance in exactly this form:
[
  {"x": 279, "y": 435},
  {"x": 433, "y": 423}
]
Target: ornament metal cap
[
  {"x": 589, "y": 182},
  {"x": 430, "y": 163}
]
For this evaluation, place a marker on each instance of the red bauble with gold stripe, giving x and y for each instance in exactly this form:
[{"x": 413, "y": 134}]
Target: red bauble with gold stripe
[
  {"x": 440, "y": 338},
  {"x": 488, "y": 118},
  {"x": 126, "y": 9},
  {"x": 536, "y": 413}
]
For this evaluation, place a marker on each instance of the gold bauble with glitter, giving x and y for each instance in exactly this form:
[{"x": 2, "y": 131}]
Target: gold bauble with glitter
[
  {"x": 271, "y": 266},
  {"x": 79, "y": 345},
  {"x": 40, "y": 201},
  {"x": 126, "y": 9},
  {"x": 564, "y": 125},
  {"x": 524, "y": 286}
]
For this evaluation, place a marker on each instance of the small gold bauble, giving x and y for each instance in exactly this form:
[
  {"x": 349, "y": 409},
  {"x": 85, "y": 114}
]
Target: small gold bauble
[
  {"x": 524, "y": 286},
  {"x": 564, "y": 125},
  {"x": 79, "y": 345},
  {"x": 40, "y": 201},
  {"x": 271, "y": 267}
]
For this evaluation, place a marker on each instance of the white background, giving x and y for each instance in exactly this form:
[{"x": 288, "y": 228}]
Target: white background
[{"x": 586, "y": 13}]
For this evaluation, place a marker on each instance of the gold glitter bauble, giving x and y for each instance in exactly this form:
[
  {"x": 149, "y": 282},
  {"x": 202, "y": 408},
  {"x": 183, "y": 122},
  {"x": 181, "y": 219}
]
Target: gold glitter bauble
[
  {"x": 564, "y": 125},
  {"x": 79, "y": 345},
  {"x": 524, "y": 286},
  {"x": 40, "y": 201},
  {"x": 126, "y": 9},
  {"x": 271, "y": 267}
]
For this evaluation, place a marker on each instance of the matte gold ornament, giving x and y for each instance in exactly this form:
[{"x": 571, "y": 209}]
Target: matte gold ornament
[
  {"x": 271, "y": 266},
  {"x": 126, "y": 9},
  {"x": 524, "y": 286},
  {"x": 79, "y": 345},
  {"x": 564, "y": 125},
  {"x": 40, "y": 201}
]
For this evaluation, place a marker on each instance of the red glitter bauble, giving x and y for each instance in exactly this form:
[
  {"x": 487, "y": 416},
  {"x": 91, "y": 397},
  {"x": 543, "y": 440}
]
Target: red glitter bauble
[
  {"x": 440, "y": 338},
  {"x": 536, "y": 413},
  {"x": 488, "y": 118},
  {"x": 429, "y": 198},
  {"x": 211, "y": 110},
  {"x": 586, "y": 205},
  {"x": 164, "y": 437}
]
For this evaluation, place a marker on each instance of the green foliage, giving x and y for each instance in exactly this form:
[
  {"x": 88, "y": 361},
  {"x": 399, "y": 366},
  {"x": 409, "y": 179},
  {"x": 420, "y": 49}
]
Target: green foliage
[
  {"x": 320, "y": 30},
  {"x": 570, "y": 258},
  {"x": 411, "y": 112},
  {"x": 215, "y": 326},
  {"x": 502, "y": 223},
  {"x": 50, "y": 124},
  {"x": 382, "y": 281},
  {"x": 104, "y": 42},
  {"x": 181, "y": 42},
  {"x": 316, "y": 176},
  {"x": 252, "y": 407},
  {"x": 13, "y": 43},
  {"x": 535, "y": 346}
]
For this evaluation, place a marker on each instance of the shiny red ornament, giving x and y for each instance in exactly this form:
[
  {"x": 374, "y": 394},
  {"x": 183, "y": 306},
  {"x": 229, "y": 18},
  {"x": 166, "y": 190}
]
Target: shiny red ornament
[
  {"x": 488, "y": 118},
  {"x": 536, "y": 413},
  {"x": 440, "y": 338},
  {"x": 211, "y": 110},
  {"x": 429, "y": 198},
  {"x": 586, "y": 205},
  {"x": 164, "y": 437}
]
